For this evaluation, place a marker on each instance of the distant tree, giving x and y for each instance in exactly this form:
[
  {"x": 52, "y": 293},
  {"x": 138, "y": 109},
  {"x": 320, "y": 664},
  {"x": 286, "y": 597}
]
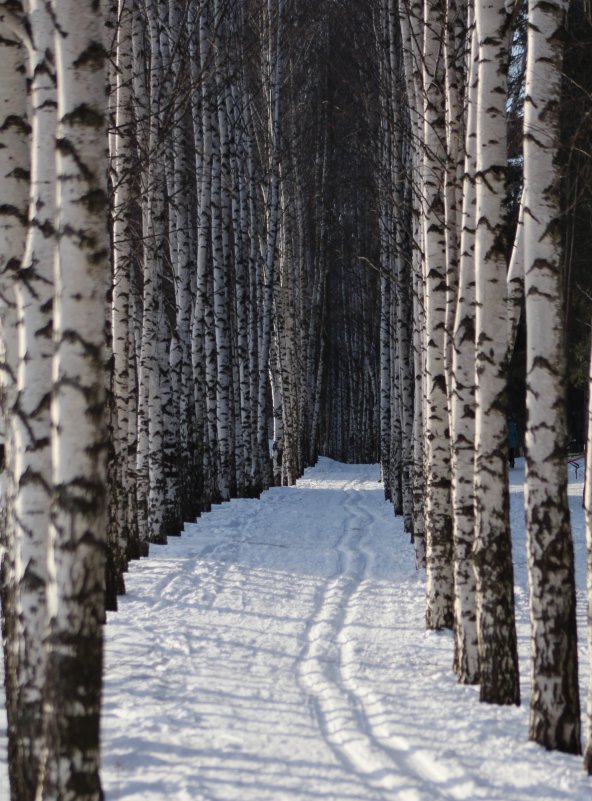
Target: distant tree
[
  {"x": 123, "y": 515},
  {"x": 588, "y": 518}
]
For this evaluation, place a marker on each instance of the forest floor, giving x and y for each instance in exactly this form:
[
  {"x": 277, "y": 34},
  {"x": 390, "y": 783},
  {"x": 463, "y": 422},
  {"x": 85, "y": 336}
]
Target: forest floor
[{"x": 277, "y": 652}]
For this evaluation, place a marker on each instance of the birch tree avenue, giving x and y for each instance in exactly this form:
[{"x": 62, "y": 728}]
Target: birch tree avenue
[{"x": 285, "y": 231}]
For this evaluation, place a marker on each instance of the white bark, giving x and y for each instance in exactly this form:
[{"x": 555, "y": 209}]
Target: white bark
[
  {"x": 32, "y": 452},
  {"x": 462, "y": 410},
  {"x": 439, "y": 612},
  {"x": 554, "y": 702},
  {"x": 412, "y": 31},
  {"x": 79, "y": 434},
  {"x": 272, "y": 220},
  {"x": 492, "y": 548},
  {"x": 220, "y": 259},
  {"x": 123, "y": 243},
  {"x": 14, "y": 173}
]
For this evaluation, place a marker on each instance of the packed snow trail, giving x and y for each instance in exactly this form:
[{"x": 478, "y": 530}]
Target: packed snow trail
[{"x": 277, "y": 652}]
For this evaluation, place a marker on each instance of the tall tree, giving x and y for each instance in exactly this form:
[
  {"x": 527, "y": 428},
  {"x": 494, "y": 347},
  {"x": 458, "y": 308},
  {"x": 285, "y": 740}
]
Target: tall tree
[
  {"x": 554, "y": 703},
  {"x": 462, "y": 403},
  {"x": 438, "y": 520},
  {"x": 493, "y": 558},
  {"x": 14, "y": 172},
  {"x": 123, "y": 495},
  {"x": 32, "y": 447},
  {"x": 79, "y": 434}
]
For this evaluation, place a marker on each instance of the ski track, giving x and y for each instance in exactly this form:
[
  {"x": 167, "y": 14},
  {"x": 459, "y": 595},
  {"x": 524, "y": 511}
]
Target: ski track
[{"x": 277, "y": 652}]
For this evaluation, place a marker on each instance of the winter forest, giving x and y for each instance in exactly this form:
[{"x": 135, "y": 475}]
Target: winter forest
[{"x": 237, "y": 235}]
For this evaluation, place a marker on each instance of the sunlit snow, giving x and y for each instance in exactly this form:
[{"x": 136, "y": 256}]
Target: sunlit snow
[{"x": 277, "y": 651}]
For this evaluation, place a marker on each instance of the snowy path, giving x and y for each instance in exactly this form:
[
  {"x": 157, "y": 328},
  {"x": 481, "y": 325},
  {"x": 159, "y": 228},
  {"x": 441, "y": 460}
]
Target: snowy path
[{"x": 276, "y": 652}]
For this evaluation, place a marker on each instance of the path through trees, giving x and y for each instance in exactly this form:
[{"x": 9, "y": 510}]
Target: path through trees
[
  {"x": 237, "y": 235},
  {"x": 277, "y": 650}
]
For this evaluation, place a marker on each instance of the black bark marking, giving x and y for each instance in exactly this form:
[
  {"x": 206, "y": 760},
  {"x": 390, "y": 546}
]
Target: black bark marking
[
  {"x": 95, "y": 201},
  {"x": 84, "y": 115},
  {"x": 94, "y": 57}
]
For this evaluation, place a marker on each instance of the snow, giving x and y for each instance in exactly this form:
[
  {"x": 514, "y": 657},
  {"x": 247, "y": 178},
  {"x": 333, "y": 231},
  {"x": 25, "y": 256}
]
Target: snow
[{"x": 277, "y": 651}]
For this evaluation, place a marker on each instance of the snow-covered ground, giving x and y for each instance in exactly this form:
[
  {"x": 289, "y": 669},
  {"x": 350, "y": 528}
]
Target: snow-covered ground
[{"x": 277, "y": 651}]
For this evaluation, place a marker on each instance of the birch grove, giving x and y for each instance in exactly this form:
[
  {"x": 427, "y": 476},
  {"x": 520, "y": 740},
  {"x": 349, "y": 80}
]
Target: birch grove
[
  {"x": 285, "y": 230},
  {"x": 452, "y": 84}
]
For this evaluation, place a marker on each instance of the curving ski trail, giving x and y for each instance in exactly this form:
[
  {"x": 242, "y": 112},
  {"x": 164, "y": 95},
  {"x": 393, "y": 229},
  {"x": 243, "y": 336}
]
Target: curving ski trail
[{"x": 363, "y": 747}]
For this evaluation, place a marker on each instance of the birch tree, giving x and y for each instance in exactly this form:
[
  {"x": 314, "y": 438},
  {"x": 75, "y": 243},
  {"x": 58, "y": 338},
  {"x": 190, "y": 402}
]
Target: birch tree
[
  {"x": 14, "y": 171},
  {"x": 79, "y": 434},
  {"x": 123, "y": 496},
  {"x": 492, "y": 547},
  {"x": 588, "y": 519},
  {"x": 221, "y": 270},
  {"x": 412, "y": 35},
  {"x": 439, "y": 612},
  {"x": 273, "y": 89},
  {"x": 32, "y": 452},
  {"x": 554, "y": 703},
  {"x": 462, "y": 403}
]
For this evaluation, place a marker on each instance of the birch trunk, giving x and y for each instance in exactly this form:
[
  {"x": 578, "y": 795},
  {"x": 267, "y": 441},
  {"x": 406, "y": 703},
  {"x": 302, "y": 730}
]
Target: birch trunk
[
  {"x": 155, "y": 360},
  {"x": 220, "y": 263},
  {"x": 141, "y": 467},
  {"x": 272, "y": 218},
  {"x": 243, "y": 302},
  {"x": 515, "y": 281},
  {"x": 492, "y": 547},
  {"x": 554, "y": 702},
  {"x": 402, "y": 160},
  {"x": 411, "y": 21},
  {"x": 202, "y": 124},
  {"x": 14, "y": 172},
  {"x": 386, "y": 296},
  {"x": 588, "y": 518},
  {"x": 79, "y": 434},
  {"x": 182, "y": 214},
  {"x": 123, "y": 247},
  {"x": 439, "y": 612},
  {"x": 385, "y": 364},
  {"x": 32, "y": 451},
  {"x": 462, "y": 410}
]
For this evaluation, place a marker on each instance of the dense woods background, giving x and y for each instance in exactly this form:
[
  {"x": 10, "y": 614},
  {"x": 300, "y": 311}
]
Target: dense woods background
[{"x": 287, "y": 228}]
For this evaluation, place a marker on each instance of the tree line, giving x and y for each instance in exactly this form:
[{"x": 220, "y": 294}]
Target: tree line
[
  {"x": 239, "y": 234},
  {"x": 477, "y": 187}
]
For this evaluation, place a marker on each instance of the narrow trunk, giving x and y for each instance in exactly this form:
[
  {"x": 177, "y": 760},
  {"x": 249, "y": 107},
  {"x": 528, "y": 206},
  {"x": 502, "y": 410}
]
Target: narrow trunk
[
  {"x": 462, "y": 412},
  {"x": 438, "y": 522}
]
